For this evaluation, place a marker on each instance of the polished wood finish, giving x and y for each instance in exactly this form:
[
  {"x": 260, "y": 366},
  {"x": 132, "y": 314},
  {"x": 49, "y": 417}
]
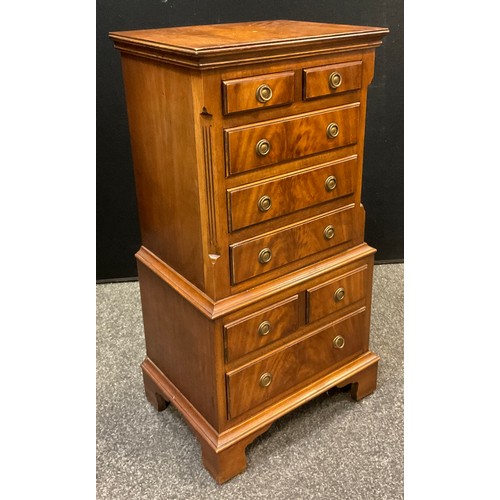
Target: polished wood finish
[
  {"x": 241, "y": 94},
  {"x": 365, "y": 383},
  {"x": 170, "y": 348},
  {"x": 296, "y": 363},
  {"x": 314, "y": 274},
  {"x": 153, "y": 395},
  {"x": 321, "y": 299},
  {"x": 228, "y": 462},
  {"x": 247, "y": 334},
  {"x": 156, "y": 163},
  {"x": 359, "y": 372},
  {"x": 290, "y": 138},
  {"x": 232, "y": 342},
  {"x": 291, "y": 192},
  {"x": 290, "y": 244},
  {"x": 317, "y": 84},
  {"x": 257, "y": 42},
  {"x": 239, "y": 36}
]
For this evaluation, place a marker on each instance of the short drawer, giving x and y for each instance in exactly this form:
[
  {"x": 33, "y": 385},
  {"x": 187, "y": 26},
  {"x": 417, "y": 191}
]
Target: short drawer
[
  {"x": 278, "y": 248},
  {"x": 275, "y": 141},
  {"x": 285, "y": 194},
  {"x": 333, "y": 295},
  {"x": 262, "y": 328},
  {"x": 332, "y": 79},
  {"x": 263, "y": 91},
  {"x": 298, "y": 363}
]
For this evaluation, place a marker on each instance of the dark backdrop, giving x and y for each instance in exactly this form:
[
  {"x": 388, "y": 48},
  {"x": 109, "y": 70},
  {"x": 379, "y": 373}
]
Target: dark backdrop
[{"x": 118, "y": 235}]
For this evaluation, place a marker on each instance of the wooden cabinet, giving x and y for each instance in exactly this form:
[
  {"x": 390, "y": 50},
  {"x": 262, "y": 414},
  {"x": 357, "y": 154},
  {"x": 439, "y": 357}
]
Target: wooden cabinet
[{"x": 255, "y": 279}]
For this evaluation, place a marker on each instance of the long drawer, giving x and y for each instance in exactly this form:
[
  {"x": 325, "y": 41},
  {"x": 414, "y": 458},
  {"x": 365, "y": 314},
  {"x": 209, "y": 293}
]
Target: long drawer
[
  {"x": 268, "y": 377},
  {"x": 253, "y": 146},
  {"x": 261, "y": 254},
  {"x": 286, "y": 194}
]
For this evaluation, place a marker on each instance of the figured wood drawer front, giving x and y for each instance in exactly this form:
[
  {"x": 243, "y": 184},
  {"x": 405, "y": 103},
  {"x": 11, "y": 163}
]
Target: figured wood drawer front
[
  {"x": 264, "y": 91},
  {"x": 286, "y": 194},
  {"x": 251, "y": 147},
  {"x": 336, "y": 294},
  {"x": 260, "y": 381},
  {"x": 333, "y": 79},
  {"x": 259, "y": 255},
  {"x": 262, "y": 328}
]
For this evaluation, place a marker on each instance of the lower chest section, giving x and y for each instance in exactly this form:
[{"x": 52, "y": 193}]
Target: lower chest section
[{"x": 271, "y": 342}]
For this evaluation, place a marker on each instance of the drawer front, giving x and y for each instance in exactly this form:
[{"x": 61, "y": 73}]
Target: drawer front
[
  {"x": 286, "y": 194},
  {"x": 295, "y": 364},
  {"x": 259, "y": 255},
  {"x": 251, "y": 147},
  {"x": 333, "y": 79},
  {"x": 264, "y": 91},
  {"x": 262, "y": 328},
  {"x": 336, "y": 294}
]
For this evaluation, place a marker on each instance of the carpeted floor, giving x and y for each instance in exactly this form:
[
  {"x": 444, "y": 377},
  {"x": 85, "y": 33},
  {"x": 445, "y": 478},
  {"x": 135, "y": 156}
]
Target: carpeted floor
[{"x": 331, "y": 448}]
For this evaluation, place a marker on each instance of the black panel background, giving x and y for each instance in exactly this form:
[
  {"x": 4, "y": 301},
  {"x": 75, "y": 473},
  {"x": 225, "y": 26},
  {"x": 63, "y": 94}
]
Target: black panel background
[{"x": 118, "y": 235}]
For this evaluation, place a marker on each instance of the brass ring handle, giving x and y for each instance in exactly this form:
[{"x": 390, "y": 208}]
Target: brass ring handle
[
  {"x": 265, "y": 255},
  {"x": 265, "y": 379},
  {"x": 264, "y": 203},
  {"x": 330, "y": 183},
  {"x": 335, "y": 80},
  {"x": 264, "y": 328},
  {"x": 264, "y": 93},
  {"x": 263, "y": 147},
  {"x": 332, "y": 130},
  {"x": 329, "y": 232},
  {"x": 339, "y": 294},
  {"x": 338, "y": 342}
]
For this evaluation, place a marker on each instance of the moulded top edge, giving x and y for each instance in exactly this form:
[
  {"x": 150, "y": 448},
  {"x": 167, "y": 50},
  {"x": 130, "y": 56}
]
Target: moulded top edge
[{"x": 221, "y": 38}]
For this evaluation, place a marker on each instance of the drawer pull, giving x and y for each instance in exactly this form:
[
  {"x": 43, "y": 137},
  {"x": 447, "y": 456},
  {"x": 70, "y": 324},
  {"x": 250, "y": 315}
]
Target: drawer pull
[
  {"x": 263, "y": 93},
  {"x": 339, "y": 294},
  {"x": 329, "y": 232},
  {"x": 265, "y": 255},
  {"x": 332, "y": 130},
  {"x": 265, "y": 379},
  {"x": 264, "y": 203},
  {"x": 335, "y": 80},
  {"x": 263, "y": 147},
  {"x": 338, "y": 342},
  {"x": 330, "y": 183},
  {"x": 264, "y": 328}
]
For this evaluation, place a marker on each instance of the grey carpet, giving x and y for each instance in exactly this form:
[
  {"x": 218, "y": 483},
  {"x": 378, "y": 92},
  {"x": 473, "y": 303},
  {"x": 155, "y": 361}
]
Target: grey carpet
[{"x": 331, "y": 448}]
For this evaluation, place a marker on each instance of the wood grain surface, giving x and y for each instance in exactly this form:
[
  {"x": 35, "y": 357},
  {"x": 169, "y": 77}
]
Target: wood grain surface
[
  {"x": 316, "y": 80},
  {"x": 297, "y": 363},
  {"x": 195, "y": 120},
  {"x": 242, "y": 336},
  {"x": 291, "y": 192},
  {"x": 255, "y": 36},
  {"x": 241, "y": 94},
  {"x": 290, "y": 244},
  {"x": 321, "y": 299},
  {"x": 290, "y": 138}
]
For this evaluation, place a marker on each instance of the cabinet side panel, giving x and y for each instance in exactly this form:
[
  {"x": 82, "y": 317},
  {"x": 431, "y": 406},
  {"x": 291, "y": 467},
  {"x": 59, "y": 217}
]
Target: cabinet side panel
[
  {"x": 160, "y": 112},
  {"x": 181, "y": 343},
  {"x": 367, "y": 75}
]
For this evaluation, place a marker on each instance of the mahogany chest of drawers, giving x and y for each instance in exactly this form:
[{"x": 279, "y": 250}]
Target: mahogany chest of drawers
[{"x": 247, "y": 142}]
